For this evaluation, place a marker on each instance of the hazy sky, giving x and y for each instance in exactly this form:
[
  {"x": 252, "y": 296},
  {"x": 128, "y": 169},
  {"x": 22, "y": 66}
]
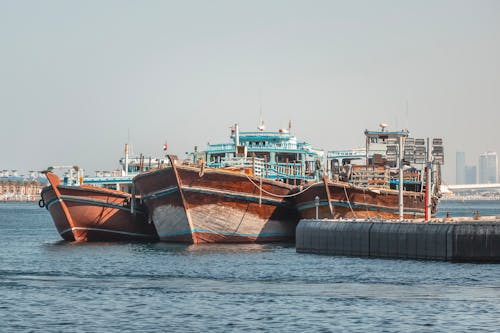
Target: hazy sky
[{"x": 76, "y": 76}]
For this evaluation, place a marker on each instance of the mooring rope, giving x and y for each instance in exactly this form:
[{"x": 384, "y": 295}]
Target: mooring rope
[
  {"x": 278, "y": 195},
  {"x": 349, "y": 202},
  {"x": 364, "y": 201}
]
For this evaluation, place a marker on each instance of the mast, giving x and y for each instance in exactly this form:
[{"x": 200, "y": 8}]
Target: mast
[
  {"x": 126, "y": 159},
  {"x": 428, "y": 174},
  {"x": 236, "y": 138},
  {"x": 400, "y": 187}
]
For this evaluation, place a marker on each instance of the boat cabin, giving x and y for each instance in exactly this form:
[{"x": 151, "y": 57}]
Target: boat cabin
[
  {"x": 378, "y": 163},
  {"x": 274, "y": 155}
]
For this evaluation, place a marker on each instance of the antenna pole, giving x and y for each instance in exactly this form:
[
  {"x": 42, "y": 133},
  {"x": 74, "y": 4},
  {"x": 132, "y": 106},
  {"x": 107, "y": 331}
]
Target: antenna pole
[
  {"x": 236, "y": 137},
  {"x": 428, "y": 182},
  {"x": 400, "y": 186},
  {"x": 126, "y": 159},
  {"x": 127, "y": 151}
]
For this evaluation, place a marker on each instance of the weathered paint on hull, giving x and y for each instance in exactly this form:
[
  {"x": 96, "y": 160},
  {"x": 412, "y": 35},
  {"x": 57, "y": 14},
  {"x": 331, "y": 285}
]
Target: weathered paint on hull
[
  {"x": 160, "y": 194},
  {"x": 58, "y": 216},
  {"x": 88, "y": 214},
  {"x": 216, "y": 206},
  {"x": 354, "y": 202}
]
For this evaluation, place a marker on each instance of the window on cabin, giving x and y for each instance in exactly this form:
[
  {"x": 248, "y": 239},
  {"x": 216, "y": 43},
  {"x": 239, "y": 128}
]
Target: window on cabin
[
  {"x": 309, "y": 166},
  {"x": 264, "y": 156},
  {"x": 215, "y": 158},
  {"x": 286, "y": 158}
]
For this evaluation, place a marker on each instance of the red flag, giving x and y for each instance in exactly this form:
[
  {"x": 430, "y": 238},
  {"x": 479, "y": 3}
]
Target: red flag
[{"x": 165, "y": 147}]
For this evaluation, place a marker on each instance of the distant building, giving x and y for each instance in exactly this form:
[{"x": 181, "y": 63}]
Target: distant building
[
  {"x": 20, "y": 188},
  {"x": 470, "y": 174},
  {"x": 488, "y": 167},
  {"x": 460, "y": 168}
]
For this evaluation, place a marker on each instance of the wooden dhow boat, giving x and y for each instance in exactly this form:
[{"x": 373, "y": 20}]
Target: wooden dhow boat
[
  {"x": 364, "y": 183},
  {"x": 102, "y": 211},
  {"x": 89, "y": 213},
  {"x": 231, "y": 193}
]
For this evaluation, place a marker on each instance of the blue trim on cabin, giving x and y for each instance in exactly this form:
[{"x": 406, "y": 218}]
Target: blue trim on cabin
[
  {"x": 257, "y": 149},
  {"x": 387, "y": 133}
]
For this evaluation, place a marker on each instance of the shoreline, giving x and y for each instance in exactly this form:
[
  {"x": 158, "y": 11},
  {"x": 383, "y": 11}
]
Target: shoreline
[
  {"x": 471, "y": 198},
  {"x": 31, "y": 199}
]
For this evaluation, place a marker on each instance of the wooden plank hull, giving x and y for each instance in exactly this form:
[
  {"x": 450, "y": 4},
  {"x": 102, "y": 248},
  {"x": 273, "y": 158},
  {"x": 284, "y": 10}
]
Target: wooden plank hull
[
  {"x": 216, "y": 206},
  {"x": 88, "y": 214},
  {"x": 350, "y": 202}
]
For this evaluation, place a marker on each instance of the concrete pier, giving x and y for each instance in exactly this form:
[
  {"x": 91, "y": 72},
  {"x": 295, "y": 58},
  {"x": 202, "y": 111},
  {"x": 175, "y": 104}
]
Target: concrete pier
[{"x": 454, "y": 239}]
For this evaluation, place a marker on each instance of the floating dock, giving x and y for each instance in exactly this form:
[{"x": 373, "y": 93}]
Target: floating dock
[{"x": 453, "y": 239}]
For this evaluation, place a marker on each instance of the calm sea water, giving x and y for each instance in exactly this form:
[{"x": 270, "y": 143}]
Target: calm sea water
[{"x": 52, "y": 286}]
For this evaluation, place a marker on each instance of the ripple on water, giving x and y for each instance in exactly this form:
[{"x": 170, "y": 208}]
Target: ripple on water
[{"x": 57, "y": 286}]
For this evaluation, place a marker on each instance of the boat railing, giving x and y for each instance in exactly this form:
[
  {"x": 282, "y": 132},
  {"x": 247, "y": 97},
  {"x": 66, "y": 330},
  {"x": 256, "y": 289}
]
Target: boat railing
[
  {"x": 221, "y": 147},
  {"x": 372, "y": 176},
  {"x": 247, "y": 135},
  {"x": 260, "y": 168},
  {"x": 254, "y": 163},
  {"x": 354, "y": 153},
  {"x": 257, "y": 146},
  {"x": 274, "y": 146},
  {"x": 377, "y": 176},
  {"x": 284, "y": 170}
]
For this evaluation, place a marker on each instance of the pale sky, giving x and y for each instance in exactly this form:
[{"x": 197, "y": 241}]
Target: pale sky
[{"x": 77, "y": 76}]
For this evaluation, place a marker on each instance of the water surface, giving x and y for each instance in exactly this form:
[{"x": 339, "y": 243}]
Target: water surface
[{"x": 53, "y": 286}]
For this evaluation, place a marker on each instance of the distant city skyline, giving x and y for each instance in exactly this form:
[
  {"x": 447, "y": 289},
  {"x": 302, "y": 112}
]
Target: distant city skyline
[
  {"x": 483, "y": 172},
  {"x": 470, "y": 174},
  {"x": 488, "y": 167},
  {"x": 78, "y": 79},
  {"x": 460, "y": 168}
]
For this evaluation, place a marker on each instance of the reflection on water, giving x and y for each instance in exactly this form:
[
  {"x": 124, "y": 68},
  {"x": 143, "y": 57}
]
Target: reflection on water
[
  {"x": 177, "y": 247},
  {"x": 233, "y": 248}
]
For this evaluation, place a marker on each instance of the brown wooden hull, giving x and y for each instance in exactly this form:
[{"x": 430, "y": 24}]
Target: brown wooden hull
[
  {"x": 347, "y": 201},
  {"x": 216, "y": 206},
  {"x": 88, "y": 214}
]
